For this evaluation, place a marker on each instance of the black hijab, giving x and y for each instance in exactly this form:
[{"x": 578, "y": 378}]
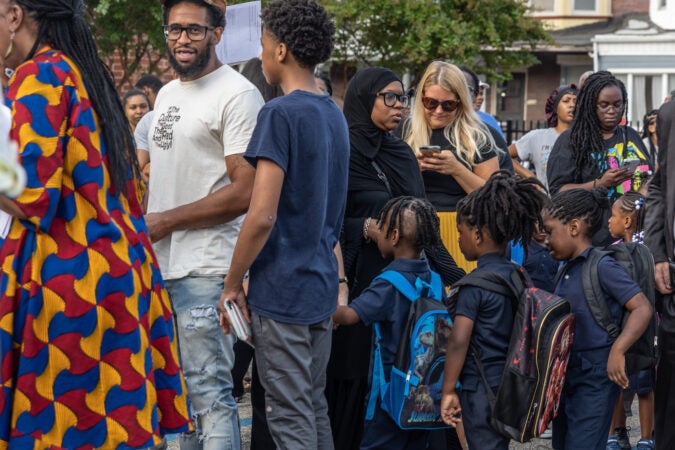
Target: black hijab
[{"x": 368, "y": 143}]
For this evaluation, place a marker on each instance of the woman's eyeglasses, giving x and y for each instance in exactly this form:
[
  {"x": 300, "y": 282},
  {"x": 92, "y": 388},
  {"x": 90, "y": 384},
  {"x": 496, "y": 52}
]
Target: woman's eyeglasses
[
  {"x": 390, "y": 99},
  {"x": 447, "y": 105}
]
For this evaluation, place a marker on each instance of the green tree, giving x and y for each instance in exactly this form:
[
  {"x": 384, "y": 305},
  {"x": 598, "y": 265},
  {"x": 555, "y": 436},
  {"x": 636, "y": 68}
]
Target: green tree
[
  {"x": 132, "y": 28},
  {"x": 496, "y": 35}
]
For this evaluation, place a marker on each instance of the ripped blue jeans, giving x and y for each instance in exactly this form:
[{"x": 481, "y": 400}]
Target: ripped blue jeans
[{"x": 207, "y": 357}]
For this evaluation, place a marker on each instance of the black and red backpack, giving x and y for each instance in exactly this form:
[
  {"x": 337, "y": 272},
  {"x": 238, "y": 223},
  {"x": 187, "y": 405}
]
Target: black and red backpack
[{"x": 536, "y": 361}]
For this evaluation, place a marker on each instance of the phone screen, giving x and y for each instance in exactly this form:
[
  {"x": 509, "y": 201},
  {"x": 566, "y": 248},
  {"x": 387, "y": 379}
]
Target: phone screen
[
  {"x": 430, "y": 149},
  {"x": 632, "y": 164}
]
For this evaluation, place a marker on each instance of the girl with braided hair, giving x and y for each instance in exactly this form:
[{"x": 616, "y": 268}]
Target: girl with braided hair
[
  {"x": 627, "y": 223},
  {"x": 597, "y": 366},
  {"x": 87, "y": 338},
  {"x": 505, "y": 209},
  {"x": 596, "y": 151}
]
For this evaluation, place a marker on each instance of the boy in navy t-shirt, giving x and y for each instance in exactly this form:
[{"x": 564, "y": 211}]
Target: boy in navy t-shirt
[
  {"x": 597, "y": 365},
  {"x": 300, "y": 148},
  {"x": 405, "y": 226}
]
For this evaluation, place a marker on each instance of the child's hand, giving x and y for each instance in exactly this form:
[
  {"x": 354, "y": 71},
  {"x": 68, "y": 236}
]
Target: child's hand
[
  {"x": 450, "y": 409},
  {"x": 616, "y": 367}
]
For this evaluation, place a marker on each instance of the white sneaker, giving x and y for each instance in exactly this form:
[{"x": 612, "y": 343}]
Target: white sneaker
[{"x": 548, "y": 434}]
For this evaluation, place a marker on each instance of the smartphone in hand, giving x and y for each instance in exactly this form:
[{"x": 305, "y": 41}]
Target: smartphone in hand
[
  {"x": 242, "y": 329},
  {"x": 429, "y": 150},
  {"x": 631, "y": 164}
]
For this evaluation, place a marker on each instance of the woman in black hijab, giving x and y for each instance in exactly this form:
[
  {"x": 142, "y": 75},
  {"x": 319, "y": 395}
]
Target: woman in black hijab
[{"x": 381, "y": 166}]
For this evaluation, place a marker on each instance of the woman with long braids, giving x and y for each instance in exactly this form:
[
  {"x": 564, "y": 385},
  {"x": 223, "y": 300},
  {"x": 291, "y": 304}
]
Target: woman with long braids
[
  {"x": 89, "y": 356},
  {"x": 596, "y": 151}
]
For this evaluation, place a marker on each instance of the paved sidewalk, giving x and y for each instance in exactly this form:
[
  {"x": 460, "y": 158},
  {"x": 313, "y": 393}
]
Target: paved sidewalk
[{"x": 536, "y": 444}]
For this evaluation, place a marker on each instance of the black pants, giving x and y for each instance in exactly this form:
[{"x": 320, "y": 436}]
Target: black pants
[{"x": 664, "y": 393}]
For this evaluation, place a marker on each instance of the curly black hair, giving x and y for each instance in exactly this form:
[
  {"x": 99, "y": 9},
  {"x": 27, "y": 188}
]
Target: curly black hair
[
  {"x": 304, "y": 26},
  {"x": 216, "y": 15},
  {"x": 507, "y": 207},
  {"x": 585, "y": 134},
  {"x": 587, "y": 206},
  {"x": 414, "y": 218}
]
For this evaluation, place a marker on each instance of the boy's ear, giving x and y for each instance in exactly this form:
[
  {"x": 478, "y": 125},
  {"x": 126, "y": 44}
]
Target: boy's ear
[
  {"x": 476, "y": 236},
  {"x": 394, "y": 237},
  {"x": 574, "y": 227},
  {"x": 281, "y": 52}
]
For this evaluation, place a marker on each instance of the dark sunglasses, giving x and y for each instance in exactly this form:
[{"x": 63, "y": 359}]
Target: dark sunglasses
[{"x": 447, "y": 105}]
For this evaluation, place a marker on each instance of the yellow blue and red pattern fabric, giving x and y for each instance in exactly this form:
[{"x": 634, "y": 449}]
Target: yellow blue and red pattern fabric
[{"x": 88, "y": 346}]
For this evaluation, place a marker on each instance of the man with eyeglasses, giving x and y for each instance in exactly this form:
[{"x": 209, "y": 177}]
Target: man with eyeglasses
[{"x": 200, "y": 186}]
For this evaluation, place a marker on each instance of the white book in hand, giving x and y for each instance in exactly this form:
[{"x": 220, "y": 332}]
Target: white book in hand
[{"x": 242, "y": 329}]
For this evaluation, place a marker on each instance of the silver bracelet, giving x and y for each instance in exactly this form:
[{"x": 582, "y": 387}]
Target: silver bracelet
[{"x": 366, "y": 225}]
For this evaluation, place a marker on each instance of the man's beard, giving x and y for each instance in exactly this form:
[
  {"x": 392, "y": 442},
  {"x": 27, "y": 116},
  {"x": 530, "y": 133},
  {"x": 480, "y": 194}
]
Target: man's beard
[{"x": 200, "y": 63}]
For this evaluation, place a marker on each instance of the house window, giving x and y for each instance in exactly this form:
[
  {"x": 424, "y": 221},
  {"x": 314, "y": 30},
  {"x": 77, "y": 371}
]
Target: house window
[
  {"x": 543, "y": 5},
  {"x": 585, "y": 5}
]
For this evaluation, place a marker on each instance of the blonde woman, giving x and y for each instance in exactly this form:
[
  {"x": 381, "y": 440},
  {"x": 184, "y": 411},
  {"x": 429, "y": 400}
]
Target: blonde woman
[{"x": 443, "y": 116}]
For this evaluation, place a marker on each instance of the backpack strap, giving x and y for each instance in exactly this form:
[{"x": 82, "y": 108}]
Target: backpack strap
[
  {"x": 434, "y": 289},
  {"x": 379, "y": 381},
  {"x": 475, "y": 352},
  {"x": 494, "y": 282},
  {"x": 595, "y": 298},
  {"x": 512, "y": 290},
  {"x": 412, "y": 292}
]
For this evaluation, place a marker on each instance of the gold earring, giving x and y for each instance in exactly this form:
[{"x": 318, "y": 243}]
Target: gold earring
[{"x": 11, "y": 44}]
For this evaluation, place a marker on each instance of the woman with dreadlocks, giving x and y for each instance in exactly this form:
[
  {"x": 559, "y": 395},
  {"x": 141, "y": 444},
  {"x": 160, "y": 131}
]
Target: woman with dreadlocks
[
  {"x": 89, "y": 358},
  {"x": 505, "y": 209},
  {"x": 596, "y": 151}
]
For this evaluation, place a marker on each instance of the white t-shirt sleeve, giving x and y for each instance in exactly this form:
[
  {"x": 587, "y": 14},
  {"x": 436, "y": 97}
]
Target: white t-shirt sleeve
[
  {"x": 240, "y": 116},
  {"x": 524, "y": 146},
  {"x": 142, "y": 131}
]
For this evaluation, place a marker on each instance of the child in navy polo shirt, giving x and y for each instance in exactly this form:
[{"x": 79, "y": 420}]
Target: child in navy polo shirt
[
  {"x": 404, "y": 227},
  {"x": 626, "y": 222},
  {"x": 596, "y": 370},
  {"x": 502, "y": 210}
]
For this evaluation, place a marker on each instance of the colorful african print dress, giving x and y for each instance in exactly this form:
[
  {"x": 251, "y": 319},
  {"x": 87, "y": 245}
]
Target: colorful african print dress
[{"x": 87, "y": 341}]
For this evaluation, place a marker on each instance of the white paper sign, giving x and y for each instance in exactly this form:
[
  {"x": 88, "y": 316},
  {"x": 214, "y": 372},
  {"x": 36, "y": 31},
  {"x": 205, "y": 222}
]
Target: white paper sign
[{"x": 241, "y": 39}]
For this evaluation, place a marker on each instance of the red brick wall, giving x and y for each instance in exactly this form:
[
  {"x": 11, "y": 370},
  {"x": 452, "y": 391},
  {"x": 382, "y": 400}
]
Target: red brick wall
[
  {"x": 163, "y": 70},
  {"x": 620, "y": 7}
]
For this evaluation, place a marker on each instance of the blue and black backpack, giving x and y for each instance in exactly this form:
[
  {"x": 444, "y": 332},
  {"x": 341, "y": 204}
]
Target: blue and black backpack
[{"x": 411, "y": 393}]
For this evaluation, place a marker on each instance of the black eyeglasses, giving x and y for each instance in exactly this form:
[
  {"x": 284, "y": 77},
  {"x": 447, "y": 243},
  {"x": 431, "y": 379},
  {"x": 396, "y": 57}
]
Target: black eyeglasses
[
  {"x": 447, "y": 105},
  {"x": 194, "y": 32},
  {"x": 390, "y": 99}
]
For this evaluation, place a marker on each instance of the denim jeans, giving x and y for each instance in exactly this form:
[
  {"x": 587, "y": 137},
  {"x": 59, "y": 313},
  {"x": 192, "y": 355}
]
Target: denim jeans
[{"x": 207, "y": 357}]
